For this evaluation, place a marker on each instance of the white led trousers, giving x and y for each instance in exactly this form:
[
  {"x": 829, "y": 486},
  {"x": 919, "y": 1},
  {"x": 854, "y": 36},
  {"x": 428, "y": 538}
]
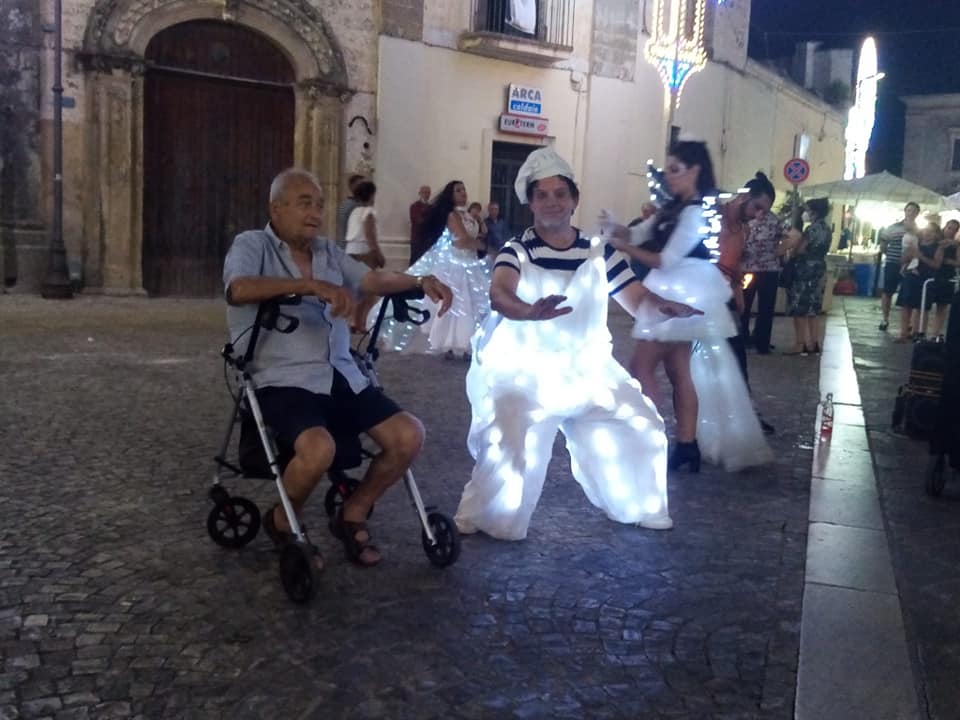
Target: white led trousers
[{"x": 527, "y": 380}]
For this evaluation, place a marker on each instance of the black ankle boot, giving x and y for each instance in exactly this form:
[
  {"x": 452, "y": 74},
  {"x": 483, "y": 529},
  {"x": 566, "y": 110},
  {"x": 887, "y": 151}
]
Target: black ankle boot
[{"x": 685, "y": 453}]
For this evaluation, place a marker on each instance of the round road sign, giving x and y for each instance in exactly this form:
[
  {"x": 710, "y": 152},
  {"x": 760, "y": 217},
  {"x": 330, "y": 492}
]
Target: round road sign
[{"x": 796, "y": 171}]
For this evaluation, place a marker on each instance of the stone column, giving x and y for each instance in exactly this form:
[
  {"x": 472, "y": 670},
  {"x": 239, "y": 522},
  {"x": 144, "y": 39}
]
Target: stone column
[
  {"x": 117, "y": 195},
  {"x": 318, "y": 144}
]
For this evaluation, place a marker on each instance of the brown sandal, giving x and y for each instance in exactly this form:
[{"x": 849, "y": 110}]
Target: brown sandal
[
  {"x": 282, "y": 538},
  {"x": 347, "y": 532}
]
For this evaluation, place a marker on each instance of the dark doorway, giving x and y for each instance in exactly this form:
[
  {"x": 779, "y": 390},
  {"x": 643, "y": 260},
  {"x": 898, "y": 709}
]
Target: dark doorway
[
  {"x": 507, "y": 159},
  {"x": 218, "y": 124}
]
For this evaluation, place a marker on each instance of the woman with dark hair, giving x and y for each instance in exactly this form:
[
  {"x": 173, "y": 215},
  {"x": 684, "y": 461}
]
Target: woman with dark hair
[
  {"x": 805, "y": 293},
  {"x": 676, "y": 266},
  {"x": 452, "y": 235}
]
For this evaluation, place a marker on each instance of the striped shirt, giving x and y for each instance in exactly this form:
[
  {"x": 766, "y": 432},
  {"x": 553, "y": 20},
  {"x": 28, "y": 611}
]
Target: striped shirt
[
  {"x": 892, "y": 239},
  {"x": 619, "y": 274}
]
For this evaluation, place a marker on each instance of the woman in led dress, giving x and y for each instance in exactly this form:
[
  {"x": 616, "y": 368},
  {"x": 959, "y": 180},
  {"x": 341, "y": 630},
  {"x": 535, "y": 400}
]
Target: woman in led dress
[
  {"x": 452, "y": 258},
  {"x": 711, "y": 399},
  {"x": 542, "y": 361}
]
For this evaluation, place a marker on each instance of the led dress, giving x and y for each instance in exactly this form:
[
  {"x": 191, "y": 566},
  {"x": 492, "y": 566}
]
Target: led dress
[
  {"x": 728, "y": 431},
  {"x": 468, "y": 277},
  {"x": 530, "y": 378}
]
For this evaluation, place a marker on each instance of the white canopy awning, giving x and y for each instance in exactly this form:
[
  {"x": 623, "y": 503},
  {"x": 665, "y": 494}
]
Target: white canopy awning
[{"x": 879, "y": 187}]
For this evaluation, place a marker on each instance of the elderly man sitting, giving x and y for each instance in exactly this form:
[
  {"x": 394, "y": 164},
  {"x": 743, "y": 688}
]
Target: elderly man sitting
[
  {"x": 309, "y": 386},
  {"x": 544, "y": 361}
]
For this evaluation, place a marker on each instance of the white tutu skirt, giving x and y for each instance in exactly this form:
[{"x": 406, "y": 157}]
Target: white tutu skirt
[
  {"x": 694, "y": 282},
  {"x": 728, "y": 430},
  {"x": 468, "y": 277}
]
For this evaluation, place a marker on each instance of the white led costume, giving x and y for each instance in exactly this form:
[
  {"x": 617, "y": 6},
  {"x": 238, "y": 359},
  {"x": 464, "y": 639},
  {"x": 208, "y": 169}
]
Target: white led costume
[
  {"x": 728, "y": 430},
  {"x": 529, "y": 378},
  {"x": 468, "y": 277}
]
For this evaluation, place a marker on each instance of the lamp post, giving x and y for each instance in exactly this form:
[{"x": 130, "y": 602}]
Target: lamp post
[{"x": 57, "y": 283}]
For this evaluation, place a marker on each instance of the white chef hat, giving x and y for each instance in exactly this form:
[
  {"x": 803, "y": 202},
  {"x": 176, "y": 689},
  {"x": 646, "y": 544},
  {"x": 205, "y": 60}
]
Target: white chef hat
[{"x": 541, "y": 163}]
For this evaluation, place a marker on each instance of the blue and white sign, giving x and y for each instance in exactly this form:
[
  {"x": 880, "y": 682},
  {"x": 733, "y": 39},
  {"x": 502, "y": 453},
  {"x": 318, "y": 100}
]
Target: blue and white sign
[{"x": 525, "y": 100}]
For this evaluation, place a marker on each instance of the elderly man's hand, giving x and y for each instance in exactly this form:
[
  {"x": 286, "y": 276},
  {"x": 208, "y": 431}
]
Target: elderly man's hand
[
  {"x": 340, "y": 300},
  {"x": 438, "y": 292},
  {"x": 674, "y": 309},
  {"x": 546, "y": 308}
]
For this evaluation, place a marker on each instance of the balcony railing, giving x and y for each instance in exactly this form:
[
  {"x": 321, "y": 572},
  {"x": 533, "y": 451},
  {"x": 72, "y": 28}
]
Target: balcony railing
[{"x": 530, "y": 30}]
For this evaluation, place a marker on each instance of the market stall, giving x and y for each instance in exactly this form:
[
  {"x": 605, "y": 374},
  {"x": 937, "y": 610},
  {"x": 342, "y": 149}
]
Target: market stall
[{"x": 875, "y": 201}]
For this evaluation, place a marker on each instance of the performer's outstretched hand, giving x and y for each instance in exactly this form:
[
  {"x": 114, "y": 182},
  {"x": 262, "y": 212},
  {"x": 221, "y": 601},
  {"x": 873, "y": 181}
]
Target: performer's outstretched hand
[
  {"x": 675, "y": 309},
  {"x": 546, "y": 308}
]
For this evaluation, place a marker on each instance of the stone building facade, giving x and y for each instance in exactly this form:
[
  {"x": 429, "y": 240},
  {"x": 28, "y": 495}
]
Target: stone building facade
[
  {"x": 931, "y": 142},
  {"x": 170, "y": 132}
]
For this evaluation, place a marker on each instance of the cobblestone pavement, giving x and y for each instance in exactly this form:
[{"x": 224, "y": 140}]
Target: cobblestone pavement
[
  {"x": 924, "y": 532},
  {"x": 114, "y": 603}
]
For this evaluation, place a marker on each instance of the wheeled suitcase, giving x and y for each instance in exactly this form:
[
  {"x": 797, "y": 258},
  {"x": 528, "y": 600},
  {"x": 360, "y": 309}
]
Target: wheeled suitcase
[
  {"x": 945, "y": 438},
  {"x": 918, "y": 402}
]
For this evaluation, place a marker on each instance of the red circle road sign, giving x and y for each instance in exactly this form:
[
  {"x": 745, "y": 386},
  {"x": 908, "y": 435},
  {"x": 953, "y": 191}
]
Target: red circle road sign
[{"x": 796, "y": 171}]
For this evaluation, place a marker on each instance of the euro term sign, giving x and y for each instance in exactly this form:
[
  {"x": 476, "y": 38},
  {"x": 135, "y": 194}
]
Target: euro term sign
[
  {"x": 796, "y": 171},
  {"x": 524, "y": 125},
  {"x": 525, "y": 100}
]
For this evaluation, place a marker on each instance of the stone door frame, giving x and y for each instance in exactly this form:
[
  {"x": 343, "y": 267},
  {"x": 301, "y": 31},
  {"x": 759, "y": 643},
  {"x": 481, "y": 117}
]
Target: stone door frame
[{"x": 113, "y": 58}]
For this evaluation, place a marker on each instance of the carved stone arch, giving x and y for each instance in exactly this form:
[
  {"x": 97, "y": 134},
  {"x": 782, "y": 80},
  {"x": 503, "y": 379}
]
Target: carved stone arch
[
  {"x": 123, "y": 28},
  {"x": 117, "y": 35}
]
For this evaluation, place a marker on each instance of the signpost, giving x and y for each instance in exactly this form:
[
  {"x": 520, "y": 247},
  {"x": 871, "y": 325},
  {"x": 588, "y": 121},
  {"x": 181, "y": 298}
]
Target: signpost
[{"x": 796, "y": 171}]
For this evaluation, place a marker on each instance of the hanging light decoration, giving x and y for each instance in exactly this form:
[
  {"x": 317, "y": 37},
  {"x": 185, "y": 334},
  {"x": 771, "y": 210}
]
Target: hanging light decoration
[{"x": 677, "y": 46}]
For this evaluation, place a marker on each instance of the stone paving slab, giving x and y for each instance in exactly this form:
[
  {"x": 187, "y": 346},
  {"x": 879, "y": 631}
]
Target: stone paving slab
[
  {"x": 114, "y": 603},
  {"x": 923, "y": 532}
]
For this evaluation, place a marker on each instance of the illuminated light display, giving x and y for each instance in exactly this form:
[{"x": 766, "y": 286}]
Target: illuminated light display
[
  {"x": 528, "y": 380},
  {"x": 677, "y": 48},
  {"x": 862, "y": 115}
]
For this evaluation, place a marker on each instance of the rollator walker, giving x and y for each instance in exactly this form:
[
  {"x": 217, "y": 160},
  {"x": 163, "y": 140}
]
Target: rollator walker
[{"x": 234, "y": 520}]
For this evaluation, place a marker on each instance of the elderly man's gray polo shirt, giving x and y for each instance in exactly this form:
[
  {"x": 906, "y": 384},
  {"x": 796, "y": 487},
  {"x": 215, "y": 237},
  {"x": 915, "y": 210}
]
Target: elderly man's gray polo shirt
[{"x": 306, "y": 357}]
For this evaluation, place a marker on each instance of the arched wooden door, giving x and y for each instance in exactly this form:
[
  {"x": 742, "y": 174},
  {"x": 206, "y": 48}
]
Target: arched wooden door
[{"x": 218, "y": 125}]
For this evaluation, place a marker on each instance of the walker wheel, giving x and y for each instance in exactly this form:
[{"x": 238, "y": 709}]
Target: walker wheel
[
  {"x": 298, "y": 572},
  {"x": 342, "y": 487},
  {"x": 936, "y": 476},
  {"x": 446, "y": 550},
  {"x": 234, "y": 522}
]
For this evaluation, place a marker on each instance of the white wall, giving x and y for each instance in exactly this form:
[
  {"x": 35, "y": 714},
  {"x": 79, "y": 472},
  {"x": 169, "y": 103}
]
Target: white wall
[{"x": 437, "y": 116}]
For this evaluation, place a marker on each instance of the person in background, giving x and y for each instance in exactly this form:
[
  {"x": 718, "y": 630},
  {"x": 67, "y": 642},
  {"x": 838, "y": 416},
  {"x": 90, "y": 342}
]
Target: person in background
[
  {"x": 805, "y": 294},
  {"x": 362, "y": 242},
  {"x": 760, "y": 260},
  {"x": 418, "y": 216},
  {"x": 452, "y": 237},
  {"x": 921, "y": 263},
  {"x": 345, "y": 208},
  {"x": 475, "y": 210},
  {"x": 891, "y": 245},
  {"x": 496, "y": 229},
  {"x": 944, "y": 289}
]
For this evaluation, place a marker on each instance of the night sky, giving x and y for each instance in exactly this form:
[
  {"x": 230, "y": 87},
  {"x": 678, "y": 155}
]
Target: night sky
[{"x": 918, "y": 43}]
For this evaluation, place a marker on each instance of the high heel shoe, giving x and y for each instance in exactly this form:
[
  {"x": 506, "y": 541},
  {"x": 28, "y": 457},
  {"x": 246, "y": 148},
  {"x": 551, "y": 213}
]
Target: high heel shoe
[{"x": 685, "y": 453}]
